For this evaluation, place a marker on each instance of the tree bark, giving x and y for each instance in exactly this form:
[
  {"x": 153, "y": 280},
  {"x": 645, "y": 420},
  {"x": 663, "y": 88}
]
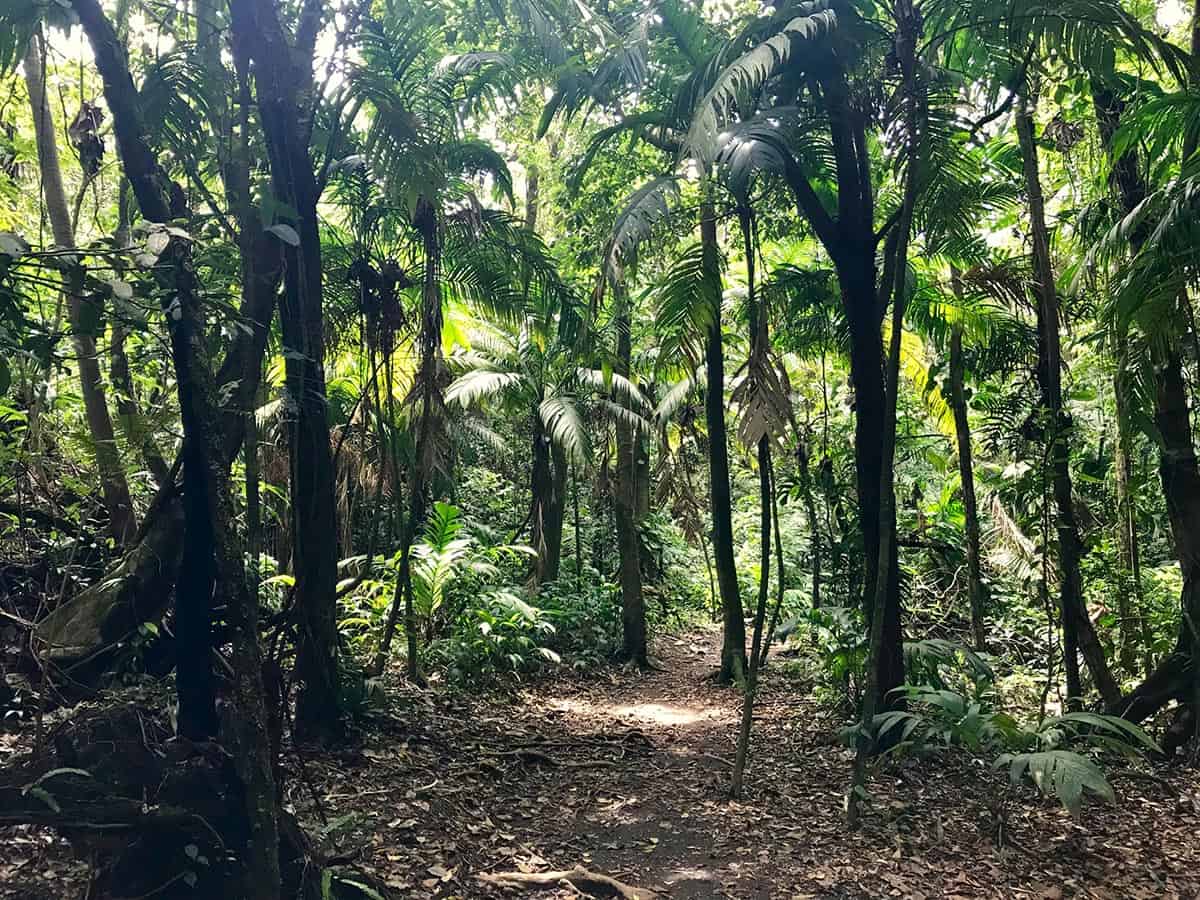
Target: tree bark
[
  {"x": 766, "y": 493},
  {"x": 1077, "y": 626},
  {"x": 966, "y": 471},
  {"x": 1129, "y": 595},
  {"x": 282, "y": 73},
  {"x": 803, "y": 460},
  {"x": 875, "y": 696},
  {"x": 733, "y": 644},
  {"x": 633, "y": 602},
  {"x": 548, "y": 489},
  {"x": 83, "y": 313},
  {"x": 851, "y": 242},
  {"x": 1176, "y": 676},
  {"x": 212, "y": 557}
]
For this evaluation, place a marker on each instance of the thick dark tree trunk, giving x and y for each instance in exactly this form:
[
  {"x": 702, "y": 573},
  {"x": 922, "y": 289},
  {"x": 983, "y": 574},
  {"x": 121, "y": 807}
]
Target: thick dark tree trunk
[
  {"x": 966, "y": 472},
  {"x": 875, "y": 696},
  {"x": 866, "y": 368},
  {"x": 851, "y": 242},
  {"x": 1077, "y": 626},
  {"x": 212, "y": 557},
  {"x": 113, "y": 486},
  {"x": 1175, "y": 677},
  {"x": 633, "y": 602},
  {"x": 733, "y": 645},
  {"x": 281, "y": 73}
]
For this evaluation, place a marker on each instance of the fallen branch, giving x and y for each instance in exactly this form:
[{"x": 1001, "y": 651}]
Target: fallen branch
[{"x": 580, "y": 878}]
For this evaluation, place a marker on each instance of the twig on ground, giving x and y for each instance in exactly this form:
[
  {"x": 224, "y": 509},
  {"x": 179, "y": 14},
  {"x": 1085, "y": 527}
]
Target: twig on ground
[{"x": 579, "y": 878}]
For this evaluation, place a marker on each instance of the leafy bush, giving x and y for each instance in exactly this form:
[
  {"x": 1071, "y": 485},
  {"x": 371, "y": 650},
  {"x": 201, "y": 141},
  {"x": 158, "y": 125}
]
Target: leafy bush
[
  {"x": 503, "y": 635},
  {"x": 839, "y": 639},
  {"x": 587, "y": 616},
  {"x": 1052, "y": 754}
]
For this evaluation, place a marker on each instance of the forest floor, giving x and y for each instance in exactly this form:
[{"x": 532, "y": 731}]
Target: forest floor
[{"x": 626, "y": 773}]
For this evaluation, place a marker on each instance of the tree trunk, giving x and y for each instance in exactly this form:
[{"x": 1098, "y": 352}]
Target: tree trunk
[
  {"x": 211, "y": 557},
  {"x": 886, "y": 580},
  {"x": 1129, "y": 595},
  {"x": 810, "y": 510},
  {"x": 429, "y": 415},
  {"x": 281, "y": 74},
  {"x": 866, "y": 367},
  {"x": 966, "y": 472},
  {"x": 557, "y": 512},
  {"x": 1077, "y": 626},
  {"x": 1129, "y": 189},
  {"x": 733, "y": 645},
  {"x": 83, "y": 313},
  {"x": 1176, "y": 676},
  {"x": 128, "y": 415},
  {"x": 766, "y": 493},
  {"x": 633, "y": 602}
]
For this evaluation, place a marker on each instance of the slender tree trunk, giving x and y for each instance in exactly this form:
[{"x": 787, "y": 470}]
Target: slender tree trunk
[
  {"x": 84, "y": 314},
  {"x": 780, "y": 581},
  {"x": 733, "y": 645},
  {"x": 1129, "y": 189},
  {"x": 557, "y": 512},
  {"x": 810, "y": 510},
  {"x": 576, "y": 531},
  {"x": 765, "y": 489},
  {"x": 1077, "y": 626},
  {"x": 429, "y": 410},
  {"x": 966, "y": 471},
  {"x": 1129, "y": 596},
  {"x": 633, "y": 602},
  {"x": 254, "y": 507},
  {"x": 759, "y": 350}
]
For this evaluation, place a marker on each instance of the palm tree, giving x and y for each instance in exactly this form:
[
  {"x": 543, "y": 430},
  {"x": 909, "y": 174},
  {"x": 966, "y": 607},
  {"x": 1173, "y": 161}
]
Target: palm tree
[{"x": 525, "y": 374}]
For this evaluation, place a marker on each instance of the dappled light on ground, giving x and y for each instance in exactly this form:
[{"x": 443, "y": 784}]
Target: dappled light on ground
[{"x": 666, "y": 715}]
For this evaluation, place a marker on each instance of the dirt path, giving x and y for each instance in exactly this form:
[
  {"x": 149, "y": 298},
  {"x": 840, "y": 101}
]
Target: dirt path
[{"x": 626, "y": 773}]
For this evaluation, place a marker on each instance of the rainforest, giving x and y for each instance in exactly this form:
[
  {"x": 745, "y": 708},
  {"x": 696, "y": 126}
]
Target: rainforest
[{"x": 599, "y": 448}]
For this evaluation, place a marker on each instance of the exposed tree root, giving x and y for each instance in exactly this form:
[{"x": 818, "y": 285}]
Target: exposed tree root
[
  {"x": 580, "y": 878},
  {"x": 156, "y": 815}
]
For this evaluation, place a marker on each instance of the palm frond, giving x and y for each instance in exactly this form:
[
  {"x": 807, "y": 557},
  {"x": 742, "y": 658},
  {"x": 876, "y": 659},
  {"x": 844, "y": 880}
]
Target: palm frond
[
  {"x": 797, "y": 24},
  {"x": 565, "y": 427}
]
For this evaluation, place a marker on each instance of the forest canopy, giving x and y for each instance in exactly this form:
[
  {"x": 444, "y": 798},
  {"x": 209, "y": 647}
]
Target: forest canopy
[{"x": 357, "y": 356}]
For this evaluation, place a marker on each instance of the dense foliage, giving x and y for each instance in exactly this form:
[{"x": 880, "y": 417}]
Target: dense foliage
[{"x": 502, "y": 337}]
